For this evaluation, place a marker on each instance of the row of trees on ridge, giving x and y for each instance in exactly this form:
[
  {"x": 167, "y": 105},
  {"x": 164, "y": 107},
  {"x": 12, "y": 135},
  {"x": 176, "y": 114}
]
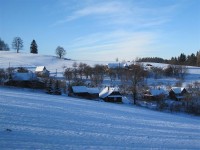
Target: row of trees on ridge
[
  {"x": 189, "y": 60},
  {"x": 17, "y": 44}
]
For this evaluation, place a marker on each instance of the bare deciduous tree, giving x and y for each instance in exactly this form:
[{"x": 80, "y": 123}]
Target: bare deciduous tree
[
  {"x": 137, "y": 74},
  {"x": 60, "y": 52},
  {"x": 17, "y": 44},
  {"x": 98, "y": 75},
  {"x": 68, "y": 74}
]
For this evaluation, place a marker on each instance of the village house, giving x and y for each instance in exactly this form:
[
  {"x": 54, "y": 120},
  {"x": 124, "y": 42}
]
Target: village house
[
  {"x": 22, "y": 74},
  {"x": 22, "y": 77},
  {"x": 110, "y": 94},
  {"x": 155, "y": 94},
  {"x": 41, "y": 71},
  {"x": 177, "y": 93},
  {"x": 85, "y": 92}
]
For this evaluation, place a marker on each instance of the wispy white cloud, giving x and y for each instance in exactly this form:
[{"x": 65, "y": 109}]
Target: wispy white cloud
[
  {"x": 122, "y": 28},
  {"x": 114, "y": 44},
  {"x": 98, "y": 9},
  {"x": 118, "y": 12}
]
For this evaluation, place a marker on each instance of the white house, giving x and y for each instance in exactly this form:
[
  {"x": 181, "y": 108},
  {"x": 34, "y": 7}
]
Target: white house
[
  {"x": 42, "y": 71},
  {"x": 118, "y": 65}
]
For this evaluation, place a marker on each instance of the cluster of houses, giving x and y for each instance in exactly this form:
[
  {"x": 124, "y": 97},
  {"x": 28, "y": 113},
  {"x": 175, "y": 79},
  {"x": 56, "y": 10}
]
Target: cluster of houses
[
  {"x": 108, "y": 94},
  {"x": 112, "y": 94},
  {"x": 175, "y": 93}
]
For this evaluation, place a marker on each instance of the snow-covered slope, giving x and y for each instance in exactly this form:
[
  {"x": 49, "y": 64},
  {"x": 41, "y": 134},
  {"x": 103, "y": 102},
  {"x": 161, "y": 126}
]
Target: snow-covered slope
[
  {"x": 52, "y": 63},
  {"x": 41, "y": 121}
]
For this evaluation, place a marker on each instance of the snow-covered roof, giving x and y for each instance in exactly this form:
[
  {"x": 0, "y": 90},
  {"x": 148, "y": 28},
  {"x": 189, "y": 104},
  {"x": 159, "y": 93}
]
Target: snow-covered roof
[
  {"x": 107, "y": 91},
  {"x": 39, "y": 68},
  {"x": 79, "y": 89},
  {"x": 23, "y": 76},
  {"x": 177, "y": 90},
  {"x": 156, "y": 92},
  {"x": 180, "y": 97},
  {"x": 84, "y": 89},
  {"x": 116, "y": 65},
  {"x": 93, "y": 90}
]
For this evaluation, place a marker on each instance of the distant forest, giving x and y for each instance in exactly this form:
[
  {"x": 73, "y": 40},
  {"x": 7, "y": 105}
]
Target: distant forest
[{"x": 188, "y": 60}]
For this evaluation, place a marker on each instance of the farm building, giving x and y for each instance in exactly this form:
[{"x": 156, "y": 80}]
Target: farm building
[
  {"x": 85, "y": 92},
  {"x": 155, "y": 94},
  {"x": 110, "y": 94},
  {"x": 21, "y": 77},
  {"x": 177, "y": 93}
]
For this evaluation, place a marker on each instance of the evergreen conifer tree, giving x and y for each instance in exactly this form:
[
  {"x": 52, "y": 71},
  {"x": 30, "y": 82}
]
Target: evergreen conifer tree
[
  {"x": 57, "y": 90},
  {"x": 198, "y": 58},
  {"x": 49, "y": 86},
  {"x": 33, "y": 48},
  {"x": 3, "y": 46}
]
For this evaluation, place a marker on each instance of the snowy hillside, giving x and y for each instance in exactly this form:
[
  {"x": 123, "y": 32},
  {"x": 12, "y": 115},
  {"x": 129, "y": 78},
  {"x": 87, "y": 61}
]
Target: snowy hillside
[
  {"x": 52, "y": 63},
  {"x": 41, "y": 121}
]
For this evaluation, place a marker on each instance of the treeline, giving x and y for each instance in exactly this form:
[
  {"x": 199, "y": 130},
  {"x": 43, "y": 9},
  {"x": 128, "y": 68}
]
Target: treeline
[
  {"x": 17, "y": 44},
  {"x": 3, "y": 46},
  {"x": 152, "y": 59},
  {"x": 189, "y": 60}
]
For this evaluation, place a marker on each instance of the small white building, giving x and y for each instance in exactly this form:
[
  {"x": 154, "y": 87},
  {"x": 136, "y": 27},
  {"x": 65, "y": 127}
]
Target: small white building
[
  {"x": 42, "y": 71},
  {"x": 118, "y": 65}
]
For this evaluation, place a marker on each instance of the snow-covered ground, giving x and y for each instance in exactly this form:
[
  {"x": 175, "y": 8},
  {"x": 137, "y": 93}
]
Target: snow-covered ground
[
  {"x": 52, "y": 63},
  {"x": 41, "y": 121}
]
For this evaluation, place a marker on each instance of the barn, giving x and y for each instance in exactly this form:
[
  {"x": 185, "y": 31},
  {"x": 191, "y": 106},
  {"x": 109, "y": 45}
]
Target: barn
[
  {"x": 155, "y": 94},
  {"x": 111, "y": 94},
  {"x": 85, "y": 92},
  {"x": 177, "y": 93}
]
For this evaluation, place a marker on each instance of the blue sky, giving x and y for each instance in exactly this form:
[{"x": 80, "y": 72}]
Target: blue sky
[{"x": 104, "y": 29}]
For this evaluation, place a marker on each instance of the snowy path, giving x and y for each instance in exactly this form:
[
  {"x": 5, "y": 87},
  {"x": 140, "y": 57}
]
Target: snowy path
[{"x": 41, "y": 121}]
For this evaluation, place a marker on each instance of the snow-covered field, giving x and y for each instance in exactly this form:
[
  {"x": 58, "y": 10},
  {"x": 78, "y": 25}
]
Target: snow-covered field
[
  {"x": 52, "y": 63},
  {"x": 57, "y": 66},
  {"x": 41, "y": 121}
]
